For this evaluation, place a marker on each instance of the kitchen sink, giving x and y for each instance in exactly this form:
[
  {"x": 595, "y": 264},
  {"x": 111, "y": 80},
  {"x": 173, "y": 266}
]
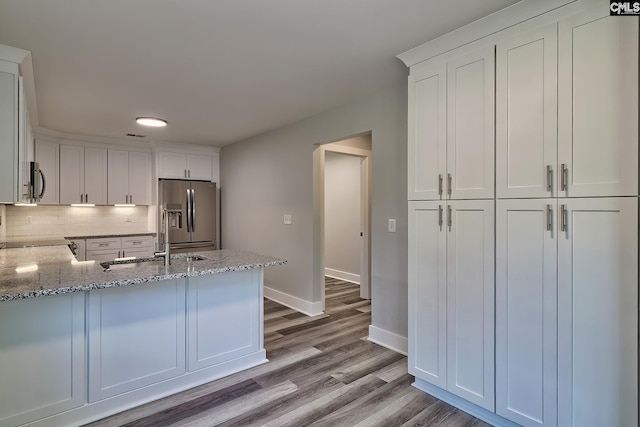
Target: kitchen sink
[{"x": 139, "y": 262}]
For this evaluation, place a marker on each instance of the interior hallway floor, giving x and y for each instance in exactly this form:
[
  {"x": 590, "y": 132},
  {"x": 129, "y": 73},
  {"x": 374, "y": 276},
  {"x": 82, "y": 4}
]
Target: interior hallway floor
[{"x": 322, "y": 371}]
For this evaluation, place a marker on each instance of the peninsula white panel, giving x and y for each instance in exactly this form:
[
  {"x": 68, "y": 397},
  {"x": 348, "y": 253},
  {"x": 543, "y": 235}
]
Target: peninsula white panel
[
  {"x": 598, "y": 105},
  {"x": 42, "y": 357},
  {"x": 427, "y": 292},
  {"x": 470, "y": 301},
  {"x": 224, "y": 317},
  {"x": 598, "y": 313},
  {"x": 526, "y": 114},
  {"x": 427, "y": 150},
  {"x": 470, "y": 125},
  {"x": 136, "y": 337},
  {"x": 526, "y": 307}
]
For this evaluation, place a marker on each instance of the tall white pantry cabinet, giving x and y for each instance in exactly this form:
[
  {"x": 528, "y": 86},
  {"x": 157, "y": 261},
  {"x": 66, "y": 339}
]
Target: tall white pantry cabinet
[{"x": 523, "y": 226}]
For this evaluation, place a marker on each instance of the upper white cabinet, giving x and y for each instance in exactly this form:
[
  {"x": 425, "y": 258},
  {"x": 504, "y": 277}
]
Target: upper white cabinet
[
  {"x": 526, "y": 114},
  {"x": 14, "y": 156},
  {"x": 598, "y": 105},
  {"x": 451, "y": 297},
  {"x": 48, "y": 156},
  {"x": 451, "y": 128},
  {"x": 598, "y": 312},
  {"x": 184, "y": 166},
  {"x": 83, "y": 175},
  {"x": 129, "y": 177}
]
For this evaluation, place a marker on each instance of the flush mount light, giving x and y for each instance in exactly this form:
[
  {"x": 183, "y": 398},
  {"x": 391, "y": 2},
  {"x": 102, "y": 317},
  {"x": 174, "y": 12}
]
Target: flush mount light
[
  {"x": 82, "y": 205},
  {"x": 25, "y": 204},
  {"x": 151, "y": 121}
]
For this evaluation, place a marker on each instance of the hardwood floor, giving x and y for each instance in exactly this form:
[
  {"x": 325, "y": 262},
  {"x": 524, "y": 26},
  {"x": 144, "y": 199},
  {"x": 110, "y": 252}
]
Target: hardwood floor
[{"x": 321, "y": 372}]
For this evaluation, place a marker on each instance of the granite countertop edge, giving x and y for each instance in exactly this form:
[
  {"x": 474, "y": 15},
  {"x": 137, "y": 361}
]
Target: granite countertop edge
[{"x": 100, "y": 283}]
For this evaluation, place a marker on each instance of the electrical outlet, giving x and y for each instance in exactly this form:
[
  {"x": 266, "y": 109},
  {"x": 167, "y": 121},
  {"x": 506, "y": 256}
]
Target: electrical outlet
[
  {"x": 392, "y": 226},
  {"x": 287, "y": 219},
  {"x": 29, "y": 219}
]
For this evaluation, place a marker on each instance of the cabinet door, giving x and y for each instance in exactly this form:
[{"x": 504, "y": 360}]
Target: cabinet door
[
  {"x": 224, "y": 317},
  {"x": 118, "y": 176},
  {"x": 470, "y": 125},
  {"x": 48, "y": 156},
  {"x": 598, "y": 313},
  {"x": 42, "y": 354},
  {"x": 95, "y": 177},
  {"x": 427, "y": 150},
  {"x": 71, "y": 174},
  {"x": 199, "y": 167},
  {"x": 598, "y": 105},
  {"x": 8, "y": 136},
  {"x": 136, "y": 337},
  {"x": 470, "y": 301},
  {"x": 140, "y": 178},
  {"x": 526, "y": 311},
  {"x": 172, "y": 165},
  {"x": 427, "y": 292},
  {"x": 526, "y": 114}
]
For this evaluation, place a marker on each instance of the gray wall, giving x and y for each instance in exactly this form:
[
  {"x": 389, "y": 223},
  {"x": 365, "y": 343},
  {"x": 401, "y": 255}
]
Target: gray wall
[
  {"x": 342, "y": 213},
  {"x": 270, "y": 175}
]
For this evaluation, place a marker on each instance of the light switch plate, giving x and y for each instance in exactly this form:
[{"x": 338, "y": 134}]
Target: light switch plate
[
  {"x": 287, "y": 219},
  {"x": 392, "y": 226}
]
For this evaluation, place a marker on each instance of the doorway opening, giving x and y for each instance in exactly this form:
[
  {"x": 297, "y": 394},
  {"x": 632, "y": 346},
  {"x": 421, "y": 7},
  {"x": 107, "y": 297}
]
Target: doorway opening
[{"x": 342, "y": 199}]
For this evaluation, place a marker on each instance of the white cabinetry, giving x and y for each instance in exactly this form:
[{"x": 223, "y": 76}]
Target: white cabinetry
[
  {"x": 42, "y": 354},
  {"x": 108, "y": 249},
  {"x": 598, "y": 105},
  {"x": 83, "y": 175},
  {"x": 184, "y": 166},
  {"x": 129, "y": 177},
  {"x": 451, "y": 128},
  {"x": 566, "y": 300},
  {"x": 132, "y": 342},
  {"x": 526, "y": 114},
  {"x": 48, "y": 156},
  {"x": 526, "y": 310},
  {"x": 451, "y": 297},
  {"x": 13, "y": 159},
  {"x": 223, "y": 323},
  {"x": 598, "y": 316}
]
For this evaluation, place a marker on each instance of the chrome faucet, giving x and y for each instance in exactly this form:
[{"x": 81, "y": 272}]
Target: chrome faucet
[{"x": 166, "y": 254}]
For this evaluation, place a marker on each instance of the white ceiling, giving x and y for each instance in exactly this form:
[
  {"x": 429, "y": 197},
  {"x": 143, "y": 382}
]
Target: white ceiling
[{"x": 218, "y": 70}]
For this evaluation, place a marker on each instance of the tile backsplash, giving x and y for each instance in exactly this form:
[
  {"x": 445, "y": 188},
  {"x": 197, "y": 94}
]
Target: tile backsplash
[{"x": 60, "y": 221}]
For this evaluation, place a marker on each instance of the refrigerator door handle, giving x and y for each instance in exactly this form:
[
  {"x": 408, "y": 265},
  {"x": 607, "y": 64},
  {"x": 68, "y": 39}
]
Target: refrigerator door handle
[
  {"x": 188, "y": 210},
  {"x": 193, "y": 210}
]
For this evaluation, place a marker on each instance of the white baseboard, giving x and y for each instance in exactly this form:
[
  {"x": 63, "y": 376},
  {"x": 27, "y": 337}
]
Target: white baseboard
[
  {"x": 342, "y": 275},
  {"x": 303, "y": 306},
  {"x": 460, "y": 403},
  {"x": 388, "y": 339}
]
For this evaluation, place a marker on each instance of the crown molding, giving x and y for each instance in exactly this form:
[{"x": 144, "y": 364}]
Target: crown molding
[{"x": 489, "y": 25}]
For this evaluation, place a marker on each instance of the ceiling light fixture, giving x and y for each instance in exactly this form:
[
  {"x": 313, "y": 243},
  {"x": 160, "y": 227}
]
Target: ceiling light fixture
[
  {"x": 25, "y": 204},
  {"x": 151, "y": 121}
]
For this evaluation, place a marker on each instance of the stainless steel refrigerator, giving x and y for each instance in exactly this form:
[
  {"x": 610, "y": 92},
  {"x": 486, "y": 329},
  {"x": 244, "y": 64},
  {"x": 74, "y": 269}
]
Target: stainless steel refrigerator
[{"x": 193, "y": 228}]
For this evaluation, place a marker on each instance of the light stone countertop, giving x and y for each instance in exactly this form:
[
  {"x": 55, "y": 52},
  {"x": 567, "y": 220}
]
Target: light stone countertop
[{"x": 51, "y": 270}]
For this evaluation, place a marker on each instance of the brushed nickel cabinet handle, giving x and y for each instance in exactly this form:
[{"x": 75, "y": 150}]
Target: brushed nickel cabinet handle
[
  {"x": 449, "y": 184},
  {"x": 549, "y": 218},
  {"x": 440, "y": 216},
  {"x": 563, "y": 217},
  {"x": 449, "y": 217},
  {"x": 440, "y": 184},
  {"x": 549, "y": 178},
  {"x": 563, "y": 177}
]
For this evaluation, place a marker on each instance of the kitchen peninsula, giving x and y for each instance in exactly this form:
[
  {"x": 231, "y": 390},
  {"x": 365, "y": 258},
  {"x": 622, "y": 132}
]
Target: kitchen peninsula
[{"x": 79, "y": 342}]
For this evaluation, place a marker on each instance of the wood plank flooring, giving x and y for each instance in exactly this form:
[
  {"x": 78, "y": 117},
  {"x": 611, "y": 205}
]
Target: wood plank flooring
[{"x": 321, "y": 372}]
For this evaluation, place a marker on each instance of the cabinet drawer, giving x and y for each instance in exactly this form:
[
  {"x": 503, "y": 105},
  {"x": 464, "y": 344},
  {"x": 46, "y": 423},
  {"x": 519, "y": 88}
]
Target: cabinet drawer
[
  {"x": 104, "y": 255},
  {"x": 137, "y": 242},
  {"x": 99, "y": 244}
]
